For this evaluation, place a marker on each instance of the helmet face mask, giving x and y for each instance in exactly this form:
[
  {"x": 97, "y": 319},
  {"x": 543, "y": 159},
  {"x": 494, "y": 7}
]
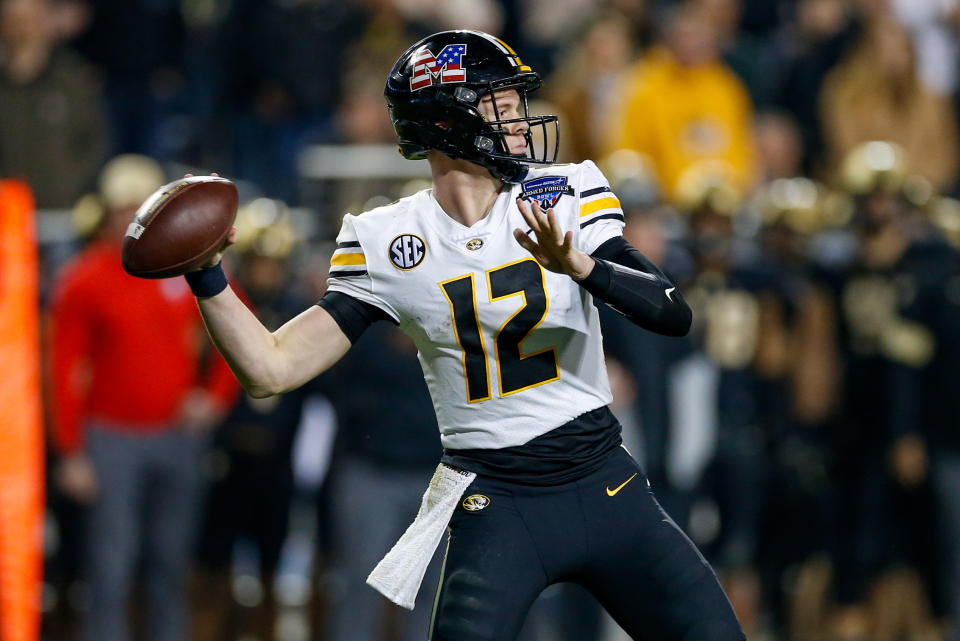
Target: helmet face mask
[
  {"x": 434, "y": 95},
  {"x": 542, "y": 140}
]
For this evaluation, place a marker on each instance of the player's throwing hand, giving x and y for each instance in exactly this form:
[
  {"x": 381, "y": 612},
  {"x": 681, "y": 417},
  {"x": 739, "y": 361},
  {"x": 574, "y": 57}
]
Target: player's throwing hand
[{"x": 553, "y": 248}]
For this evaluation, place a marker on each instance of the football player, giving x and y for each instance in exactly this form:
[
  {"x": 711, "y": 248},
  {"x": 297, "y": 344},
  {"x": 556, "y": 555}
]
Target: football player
[{"x": 493, "y": 273}]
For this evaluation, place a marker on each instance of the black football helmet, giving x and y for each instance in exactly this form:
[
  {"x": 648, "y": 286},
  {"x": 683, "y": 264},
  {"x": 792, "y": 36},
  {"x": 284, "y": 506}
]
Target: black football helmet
[{"x": 433, "y": 95}]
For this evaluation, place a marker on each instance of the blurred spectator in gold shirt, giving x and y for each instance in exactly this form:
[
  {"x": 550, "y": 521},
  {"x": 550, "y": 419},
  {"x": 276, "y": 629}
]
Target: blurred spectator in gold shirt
[{"x": 681, "y": 106}]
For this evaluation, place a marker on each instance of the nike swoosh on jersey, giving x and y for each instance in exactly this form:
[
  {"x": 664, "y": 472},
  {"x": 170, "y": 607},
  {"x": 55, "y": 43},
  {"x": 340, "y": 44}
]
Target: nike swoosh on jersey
[
  {"x": 669, "y": 297},
  {"x": 614, "y": 491}
]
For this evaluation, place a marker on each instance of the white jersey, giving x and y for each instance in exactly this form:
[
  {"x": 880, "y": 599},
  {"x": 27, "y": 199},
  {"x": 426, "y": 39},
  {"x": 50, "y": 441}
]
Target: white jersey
[{"x": 509, "y": 350}]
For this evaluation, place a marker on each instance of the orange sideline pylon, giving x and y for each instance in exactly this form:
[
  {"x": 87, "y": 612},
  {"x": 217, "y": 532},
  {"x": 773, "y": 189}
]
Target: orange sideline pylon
[{"x": 21, "y": 430}]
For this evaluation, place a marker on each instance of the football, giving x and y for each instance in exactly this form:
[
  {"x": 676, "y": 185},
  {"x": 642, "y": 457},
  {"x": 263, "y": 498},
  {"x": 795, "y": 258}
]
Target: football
[{"x": 180, "y": 227}]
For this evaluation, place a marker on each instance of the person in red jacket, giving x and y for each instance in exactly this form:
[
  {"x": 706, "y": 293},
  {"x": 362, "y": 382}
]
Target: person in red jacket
[{"x": 133, "y": 393}]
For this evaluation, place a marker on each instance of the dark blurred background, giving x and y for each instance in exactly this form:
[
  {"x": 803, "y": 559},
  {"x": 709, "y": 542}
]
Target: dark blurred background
[{"x": 792, "y": 164}]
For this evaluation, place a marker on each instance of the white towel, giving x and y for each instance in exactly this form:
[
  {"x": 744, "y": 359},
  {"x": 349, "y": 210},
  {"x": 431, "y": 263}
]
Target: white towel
[{"x": 400, "y": 572}]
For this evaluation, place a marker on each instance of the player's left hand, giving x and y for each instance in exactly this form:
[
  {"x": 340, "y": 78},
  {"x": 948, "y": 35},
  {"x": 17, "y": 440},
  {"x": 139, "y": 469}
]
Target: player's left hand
[{"x": 553, "y": 248}]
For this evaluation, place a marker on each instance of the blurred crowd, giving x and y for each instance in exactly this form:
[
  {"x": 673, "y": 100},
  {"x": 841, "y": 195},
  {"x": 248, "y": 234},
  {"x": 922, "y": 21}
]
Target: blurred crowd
[{"x": 792, "y": 164}]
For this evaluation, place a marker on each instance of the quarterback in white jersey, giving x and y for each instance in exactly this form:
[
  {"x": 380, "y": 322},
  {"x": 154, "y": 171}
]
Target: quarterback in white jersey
[
  {"x": 509, "y": 350},
  {"x": 493, "y": 272}
]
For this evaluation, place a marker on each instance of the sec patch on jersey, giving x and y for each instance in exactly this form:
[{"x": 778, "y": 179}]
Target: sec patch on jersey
[{"x": 407, "y": 251}]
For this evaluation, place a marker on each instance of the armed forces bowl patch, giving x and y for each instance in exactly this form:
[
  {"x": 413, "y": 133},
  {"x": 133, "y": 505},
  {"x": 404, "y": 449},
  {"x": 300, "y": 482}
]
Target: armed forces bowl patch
[
  {"x": 407, "y": 251},
  {"x": 475, "y": 502},
  {"x": 546, "y": 191}
]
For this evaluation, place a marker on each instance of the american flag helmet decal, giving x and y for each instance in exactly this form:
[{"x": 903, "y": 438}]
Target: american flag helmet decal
[{"x": 445, "y": 67}]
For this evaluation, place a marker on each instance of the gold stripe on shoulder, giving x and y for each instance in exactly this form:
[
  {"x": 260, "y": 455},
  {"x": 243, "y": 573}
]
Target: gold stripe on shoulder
[
  {"x": 610, "y": 202},
  {"x": 348, "y": 259}
]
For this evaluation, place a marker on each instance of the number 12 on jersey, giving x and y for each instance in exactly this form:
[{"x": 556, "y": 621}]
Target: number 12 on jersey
[{"x": 515, "y": 371}]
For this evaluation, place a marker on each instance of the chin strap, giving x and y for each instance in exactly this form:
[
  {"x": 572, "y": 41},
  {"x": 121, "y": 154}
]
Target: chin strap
[{"x": 631, "y": 285}]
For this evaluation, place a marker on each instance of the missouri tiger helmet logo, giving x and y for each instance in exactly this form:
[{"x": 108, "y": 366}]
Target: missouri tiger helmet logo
[{"x": 475, "y": 502}]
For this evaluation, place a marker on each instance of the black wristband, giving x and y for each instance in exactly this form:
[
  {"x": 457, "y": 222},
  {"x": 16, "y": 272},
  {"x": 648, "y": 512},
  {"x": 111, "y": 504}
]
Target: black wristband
[{"x": 207, "y": 282}]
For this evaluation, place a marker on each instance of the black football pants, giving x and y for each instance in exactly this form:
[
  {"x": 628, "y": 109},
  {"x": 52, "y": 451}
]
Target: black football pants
[{"x": 605, "y": 531}]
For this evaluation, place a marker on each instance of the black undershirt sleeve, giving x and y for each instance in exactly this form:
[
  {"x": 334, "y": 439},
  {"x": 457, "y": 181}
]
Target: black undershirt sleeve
[
  {"x": 631, "y": 285},
  {"x": 352, "y": 315}
]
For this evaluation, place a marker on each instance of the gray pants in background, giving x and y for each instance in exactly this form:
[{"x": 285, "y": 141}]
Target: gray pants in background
[
  {"x": 372, "y": 507},
  {"x": 145, "y": 516}
]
